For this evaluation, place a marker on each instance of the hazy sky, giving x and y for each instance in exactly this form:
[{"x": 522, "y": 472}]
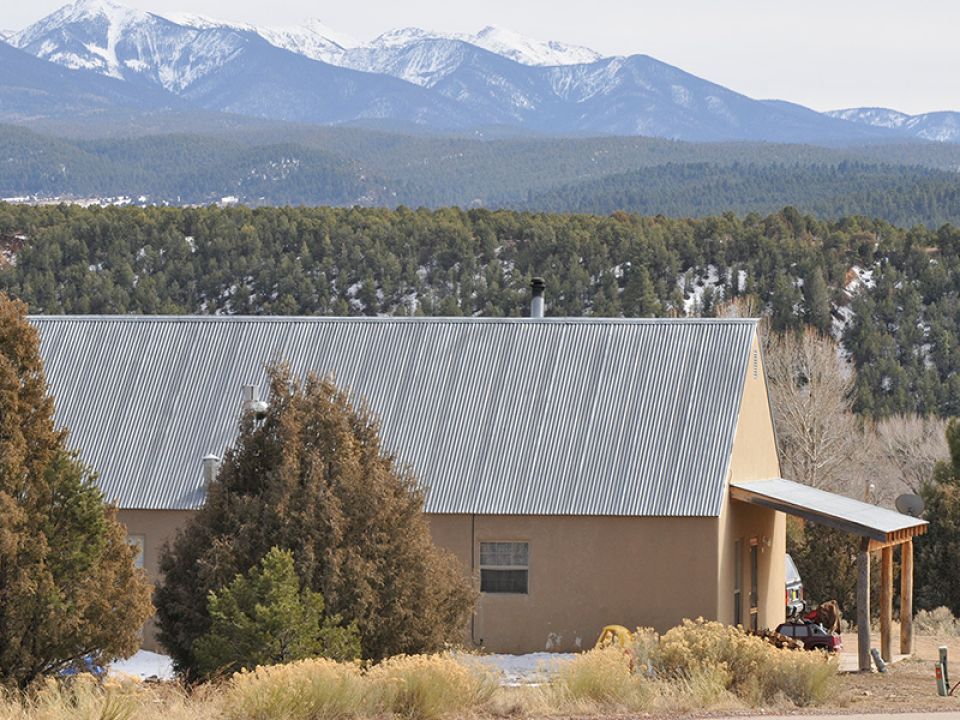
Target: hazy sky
[{"x": 822, "y": 53}]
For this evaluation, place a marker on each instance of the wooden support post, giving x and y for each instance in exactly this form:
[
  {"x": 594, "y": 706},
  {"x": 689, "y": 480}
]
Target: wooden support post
[
  {"x": 906, "y": 598},
  {"x": 886, "y": 603},
  {"x": 863, "y": 605}
]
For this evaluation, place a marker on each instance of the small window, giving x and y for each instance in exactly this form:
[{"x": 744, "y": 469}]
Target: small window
[
  {"x": 787, "y": 630},
  {"x": 503, "y": 567},
  {"x": 137, "y": 541},
  {"x": 800, "y": 631}
]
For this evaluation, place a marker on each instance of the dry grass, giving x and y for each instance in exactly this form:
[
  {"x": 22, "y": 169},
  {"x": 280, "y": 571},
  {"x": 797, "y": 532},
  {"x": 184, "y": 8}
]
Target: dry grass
[
  {"x": 697, "y": 666},
  {"x": 429, "y": 686}
]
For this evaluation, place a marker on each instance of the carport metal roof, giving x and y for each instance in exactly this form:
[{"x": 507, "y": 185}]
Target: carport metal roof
[{"x": 879, "y": 525}]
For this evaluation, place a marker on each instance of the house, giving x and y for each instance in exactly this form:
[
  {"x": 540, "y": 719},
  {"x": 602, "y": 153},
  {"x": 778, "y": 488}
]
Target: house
[{"x": 584, "y": 471}]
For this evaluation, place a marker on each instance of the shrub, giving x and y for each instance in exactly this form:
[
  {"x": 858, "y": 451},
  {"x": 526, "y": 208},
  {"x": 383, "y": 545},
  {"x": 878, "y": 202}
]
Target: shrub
[
  {"x": 938, "y": 622},
  {"x": 757, "y": 671},
  {"x": 428, "y": 686},
  {"x": 317, "y": 689},
  {"x": 603, "y": 676},
  {"x": 264, "y": 618},
  {"x": 311, "y": 477}
]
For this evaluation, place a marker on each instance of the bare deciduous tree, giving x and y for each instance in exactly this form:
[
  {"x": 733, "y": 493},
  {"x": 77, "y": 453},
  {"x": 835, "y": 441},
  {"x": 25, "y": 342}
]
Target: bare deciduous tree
[
  {"x": 821, "y": 443},
  {"x": 903, "y": 451}
]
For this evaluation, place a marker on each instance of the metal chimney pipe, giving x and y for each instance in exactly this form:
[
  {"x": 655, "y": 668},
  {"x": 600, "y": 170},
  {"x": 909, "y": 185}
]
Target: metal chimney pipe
[
  {"x": 537, "y": 286},
  {"x": 211, "y": 466}
]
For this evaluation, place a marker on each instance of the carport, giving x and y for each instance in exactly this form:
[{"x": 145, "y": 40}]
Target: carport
[{"x": 879, "y": 529}]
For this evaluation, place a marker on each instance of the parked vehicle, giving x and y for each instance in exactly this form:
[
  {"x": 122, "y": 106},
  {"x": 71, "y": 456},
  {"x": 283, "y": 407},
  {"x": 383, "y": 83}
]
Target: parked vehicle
[
  {"x": 812, "y": 635},
  {"x": 795, "y": 602}
]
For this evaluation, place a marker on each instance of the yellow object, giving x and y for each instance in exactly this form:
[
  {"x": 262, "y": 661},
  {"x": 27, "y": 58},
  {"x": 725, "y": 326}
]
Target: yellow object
[{"x": 614, "y": 635}]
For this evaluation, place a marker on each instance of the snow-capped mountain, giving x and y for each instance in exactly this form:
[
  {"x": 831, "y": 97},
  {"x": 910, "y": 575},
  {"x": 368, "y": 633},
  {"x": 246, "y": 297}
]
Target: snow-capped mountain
[
  {"x": 439, "y": 81},
  {"x": 527, "y": 51},
  {"x": 129, "y": 44},
  {"x": 313, "y": 40},
  {"x": 935, "y": 126}
]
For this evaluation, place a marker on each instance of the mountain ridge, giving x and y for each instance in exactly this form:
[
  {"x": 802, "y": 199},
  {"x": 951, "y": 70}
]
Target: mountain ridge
[{"x": 494, "y": 79}]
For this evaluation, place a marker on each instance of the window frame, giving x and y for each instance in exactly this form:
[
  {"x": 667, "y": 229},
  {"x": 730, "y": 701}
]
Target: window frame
[{"x": 495, "y": 568}]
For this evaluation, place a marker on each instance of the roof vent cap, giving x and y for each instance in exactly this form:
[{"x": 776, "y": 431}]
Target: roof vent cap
[
  {"x": 537, "y": 286},
  {"x": 252, "y": 402},
  {"x": 211, "y": 467}
]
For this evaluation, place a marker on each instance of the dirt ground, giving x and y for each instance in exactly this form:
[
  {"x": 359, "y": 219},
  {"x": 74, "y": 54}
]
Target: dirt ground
[{"x": 908, "y": 685}]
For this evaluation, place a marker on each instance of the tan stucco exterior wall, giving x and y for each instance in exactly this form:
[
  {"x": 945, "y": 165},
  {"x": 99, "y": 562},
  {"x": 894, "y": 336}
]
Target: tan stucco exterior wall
[
  {"x": 587, "y": 572},
  {"x": 754, "y": 457},
  {"x": 155, "y": 527}
]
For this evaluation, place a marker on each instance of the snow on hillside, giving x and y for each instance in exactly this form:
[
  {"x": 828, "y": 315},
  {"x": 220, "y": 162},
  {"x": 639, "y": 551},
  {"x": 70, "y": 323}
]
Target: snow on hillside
[
  {"x": 113, "y": 22},
  {"x": 203, "y": 22},
  {"x": 528, "y": 51},
  {"x": 934, "y": 126},
  {"x": 878, "y": 117},
  {"x": 313, "y": 40}
]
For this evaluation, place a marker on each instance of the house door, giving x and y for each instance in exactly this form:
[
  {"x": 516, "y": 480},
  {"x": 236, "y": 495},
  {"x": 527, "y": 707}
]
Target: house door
[{"x": 754, "y": 583}]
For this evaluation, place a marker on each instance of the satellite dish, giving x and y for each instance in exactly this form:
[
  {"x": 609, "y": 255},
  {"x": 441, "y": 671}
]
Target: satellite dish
[{"x": 911, "y": 505}]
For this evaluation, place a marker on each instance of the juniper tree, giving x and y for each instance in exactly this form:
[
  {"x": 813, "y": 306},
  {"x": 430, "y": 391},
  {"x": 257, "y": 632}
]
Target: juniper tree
[
  {"x": 311, "y": 477},
  {"x": 938, "y": 552},
  {"x": 265, "y": 618},
  {"x": 68, "y": 586}
]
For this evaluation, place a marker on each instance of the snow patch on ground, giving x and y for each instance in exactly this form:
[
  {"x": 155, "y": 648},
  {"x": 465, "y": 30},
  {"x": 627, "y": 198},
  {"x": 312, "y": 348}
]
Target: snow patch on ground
[
  {"x": 862, "y": 277},
  {"x": 693, "y": 301},
  {"x": 530, "y": 669},
  {"x": 145, "y": 665}
]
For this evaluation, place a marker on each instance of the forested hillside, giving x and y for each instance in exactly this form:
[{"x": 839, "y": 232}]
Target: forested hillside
[
  {"x": 900, "y": 195},
  {"x": 281, "y": 165},
  {"x": 891, "y": 294}
]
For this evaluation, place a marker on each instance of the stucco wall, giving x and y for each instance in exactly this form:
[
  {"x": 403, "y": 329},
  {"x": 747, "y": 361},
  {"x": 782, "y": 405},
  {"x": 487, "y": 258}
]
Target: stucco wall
[
  {"x": 156, "y": 527},
  {"x": 754, "y": 457},
  {"x": 587, "y": 572}
]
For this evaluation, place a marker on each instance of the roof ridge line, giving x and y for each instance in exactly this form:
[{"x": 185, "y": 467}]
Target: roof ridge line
[{"x": 574, "y": 320}]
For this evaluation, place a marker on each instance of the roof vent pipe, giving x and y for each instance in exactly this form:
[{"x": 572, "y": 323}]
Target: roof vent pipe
[
  {"x": 252, "y": 402},
  {"x": 537, "y": 286},
  {"x": 211, "y": 466}
]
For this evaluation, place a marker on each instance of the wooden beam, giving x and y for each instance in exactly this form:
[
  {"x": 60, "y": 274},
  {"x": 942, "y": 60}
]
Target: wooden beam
[
  {"x": 863, "y": 605},
  {"x": 886, "y": 603},
  {"x": 906, "y": 598}
]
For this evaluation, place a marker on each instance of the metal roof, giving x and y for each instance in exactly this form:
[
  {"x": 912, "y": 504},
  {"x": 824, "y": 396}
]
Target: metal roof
[
  {"x": 827, "y": 508},
  {"x": 495, "y": 416}
]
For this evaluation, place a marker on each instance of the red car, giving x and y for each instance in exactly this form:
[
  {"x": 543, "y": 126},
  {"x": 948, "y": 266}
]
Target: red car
[{"x": 812, "y": 635}]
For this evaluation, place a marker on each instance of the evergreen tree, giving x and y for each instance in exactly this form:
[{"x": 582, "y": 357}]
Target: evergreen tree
[
  {"x": 68, "y": 586},
  {"x": 783, "y": 303},
  {"x": 816, "y": 301},
  {"x": 639, "y": 294},
  {"x": 264, "y": 618},
  {"x": 938, "y": 552},
  {"x": 312, "y": 478}
]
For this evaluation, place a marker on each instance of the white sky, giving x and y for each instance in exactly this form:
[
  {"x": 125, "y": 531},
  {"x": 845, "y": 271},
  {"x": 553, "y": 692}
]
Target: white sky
[{"x": 825, "y": 54}]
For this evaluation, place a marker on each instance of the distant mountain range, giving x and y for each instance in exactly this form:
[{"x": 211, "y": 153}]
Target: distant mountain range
[
  {"x": 935, "y": 126},
  {"x": 98, "y": 59}
]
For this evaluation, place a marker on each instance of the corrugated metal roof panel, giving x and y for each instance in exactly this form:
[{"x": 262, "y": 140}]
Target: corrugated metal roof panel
[
  {"x": 827, "y": 507},
  {"x": 496, "y": 416}
]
